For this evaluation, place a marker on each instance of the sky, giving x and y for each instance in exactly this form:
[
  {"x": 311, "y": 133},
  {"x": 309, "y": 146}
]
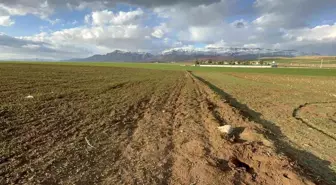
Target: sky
[{"x": 63, "y": 29}]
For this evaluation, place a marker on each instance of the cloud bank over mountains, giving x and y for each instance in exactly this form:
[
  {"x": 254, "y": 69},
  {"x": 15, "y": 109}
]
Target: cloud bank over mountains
[{"x": 80, "y": 28}]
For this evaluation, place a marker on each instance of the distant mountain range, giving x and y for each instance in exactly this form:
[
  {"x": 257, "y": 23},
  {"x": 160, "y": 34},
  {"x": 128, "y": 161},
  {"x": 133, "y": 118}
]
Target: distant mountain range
[
  {"x": 185, "y": 54},
  {"x": 118, "y": 56}
]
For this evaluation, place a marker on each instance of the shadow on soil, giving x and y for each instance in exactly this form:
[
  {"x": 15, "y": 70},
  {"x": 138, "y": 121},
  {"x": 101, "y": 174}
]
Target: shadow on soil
[{"x": 310, "y": 165}]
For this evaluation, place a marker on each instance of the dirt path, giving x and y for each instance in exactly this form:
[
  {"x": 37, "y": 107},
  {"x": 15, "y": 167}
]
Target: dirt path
[
  {"x": 168, "y": 138},
  {"x": 202, "y": 156}
]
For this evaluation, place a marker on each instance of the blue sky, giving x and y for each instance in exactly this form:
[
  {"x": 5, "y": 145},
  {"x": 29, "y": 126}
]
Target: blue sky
[{"x": 59, "y": 29}]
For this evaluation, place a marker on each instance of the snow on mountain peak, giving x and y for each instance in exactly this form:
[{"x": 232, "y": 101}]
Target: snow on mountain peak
[{"x": 219, "y": 50}]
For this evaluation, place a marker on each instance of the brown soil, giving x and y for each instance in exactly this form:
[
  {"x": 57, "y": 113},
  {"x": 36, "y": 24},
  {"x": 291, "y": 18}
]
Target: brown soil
[
  {"x": 170, "y": 139},
  {"x": 320, "y": 116}
]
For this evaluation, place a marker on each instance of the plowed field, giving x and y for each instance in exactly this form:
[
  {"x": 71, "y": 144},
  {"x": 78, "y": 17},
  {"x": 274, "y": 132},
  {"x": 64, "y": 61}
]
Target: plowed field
[{"x": 104, "y": 125}]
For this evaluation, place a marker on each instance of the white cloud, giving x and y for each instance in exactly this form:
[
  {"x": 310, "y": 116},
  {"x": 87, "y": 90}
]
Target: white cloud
[
  {"x": 220, "y": 44},
  {"x": 160, "y": 31},
  {"x": 251, "y": 46},
  {"x": 269, "y": 19},
  {"x": 35, "y": 7},
  {"x": 319, "y": 39},
  {"x": 100, "y": 39},
  {"x": 289, "y": 13},
  {"x": 6, "y": 21},
  {"x": 19, "y": 48},
  {"x": 31, "y": 46},
  {"x": 279, "y": 24},
  {"x": 185, "y": 48},
  {"x": 181, "y": 16},
  {"x": 204, "y": 23},
  {"x": 87, "y": 19},
  {"x": 323, "y": 32},
  {"x": 227, "y": 32},
  {"x": 108, "y": 17},
  {"x": 201, "y": 34},
  {"x": 55, "y": 21},
  {"x": 95, "y": 5}
]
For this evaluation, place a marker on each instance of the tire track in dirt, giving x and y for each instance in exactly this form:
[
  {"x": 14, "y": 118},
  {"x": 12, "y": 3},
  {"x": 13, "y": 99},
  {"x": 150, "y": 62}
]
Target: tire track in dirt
[
  {"x": 296, "y": 115},
  {"x": 198, "y": 145}
]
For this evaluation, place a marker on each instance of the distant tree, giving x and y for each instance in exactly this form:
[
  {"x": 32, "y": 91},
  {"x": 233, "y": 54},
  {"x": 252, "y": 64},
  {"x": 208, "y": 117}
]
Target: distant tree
[
  {"x": 197, "y": 63},
  {"x": 262, "y": 62}
]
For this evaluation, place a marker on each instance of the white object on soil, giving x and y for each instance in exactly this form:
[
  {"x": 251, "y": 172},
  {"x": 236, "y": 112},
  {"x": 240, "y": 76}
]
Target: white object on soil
[
  {"x": 87, "y": 141},
  {"x": 29, "y": 97},
  {"x": 227, "y": 129}
]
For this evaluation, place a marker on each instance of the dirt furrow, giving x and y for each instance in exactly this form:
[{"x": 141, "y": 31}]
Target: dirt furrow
[
  {"x": 203, "y": 156},
  {"x": 192, "y": 151}
]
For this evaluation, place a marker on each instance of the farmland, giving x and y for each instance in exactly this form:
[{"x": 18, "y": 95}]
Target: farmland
[
  {"x": 104, "y": 123},
  {"x": 305, "y": 61},
  {"x": 188, "y": 67},
  {"x": 300, "y": 109}
]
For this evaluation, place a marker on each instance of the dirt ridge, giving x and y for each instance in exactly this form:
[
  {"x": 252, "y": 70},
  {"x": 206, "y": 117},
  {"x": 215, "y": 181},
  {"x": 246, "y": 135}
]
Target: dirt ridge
[{"x": 245, "y": 161}]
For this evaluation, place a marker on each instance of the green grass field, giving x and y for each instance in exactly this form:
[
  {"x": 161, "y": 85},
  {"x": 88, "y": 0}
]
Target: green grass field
[
  {"x": 181, "y": 67},
  {"x": 312, "y": 61},
  {"x": 303, "y": 61}
]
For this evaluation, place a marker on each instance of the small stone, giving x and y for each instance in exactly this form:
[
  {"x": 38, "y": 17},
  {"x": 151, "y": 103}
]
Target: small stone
[
  {"x": 227, "y": 129},
  {"x": 307, "y": 145},
  {"x": 29, "y": 97}
]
